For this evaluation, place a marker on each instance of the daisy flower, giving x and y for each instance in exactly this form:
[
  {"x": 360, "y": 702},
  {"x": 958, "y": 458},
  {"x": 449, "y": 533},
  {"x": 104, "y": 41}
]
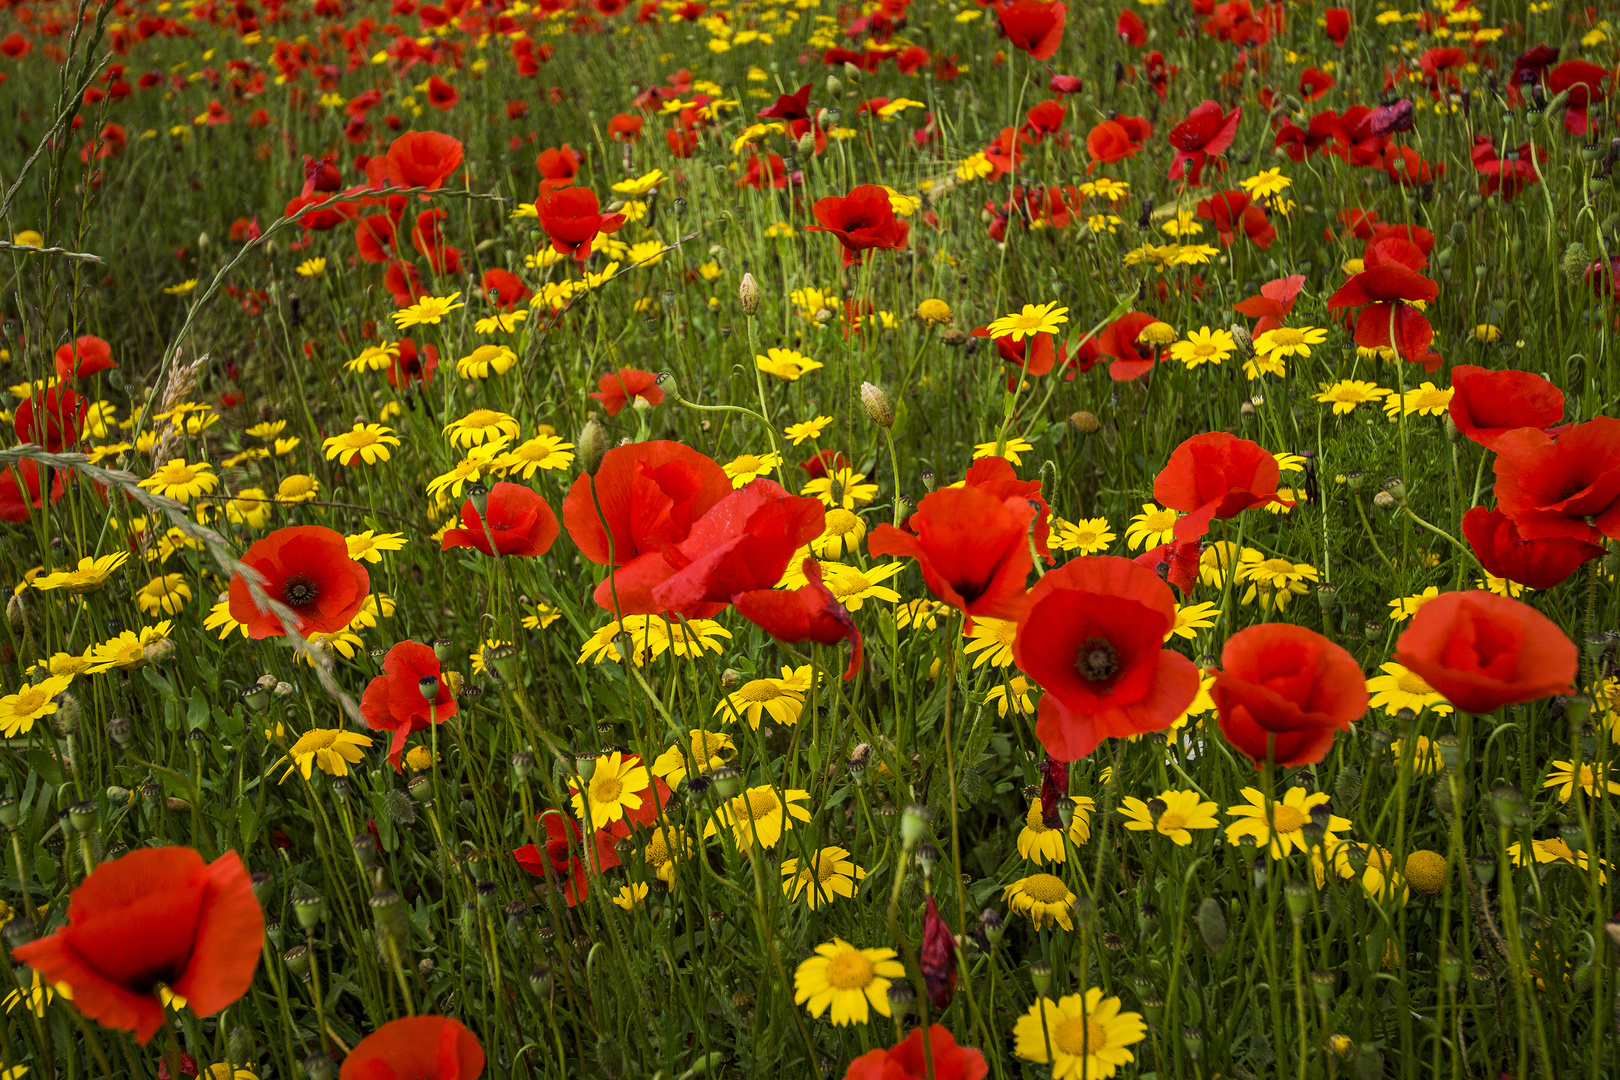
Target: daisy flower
[
  {"x": 480, "y": 426},
  {"x": 759, "y": 814},
  {"x": 1079, "y": 1036},
  {"x": 841, "y": 535},
  {"x": 427, "y": 311},
  {"x": 780, "y": 699},
  {"x": 1204, "y": 346},
  {"x": 1012, "y": 451},
  {"x": 706, "y": 751},
  {"x": 180, "y": 481},
  {"x": 330, "y": 750},
  {"x": 831, "y": 873},
  {"x": 1397, "y": 689},
  {"x": 1041, "y": 845},
  {"x": 1170, "y": 813},
  {"x": 844, "y": 487},
  {"x": 852, "y": 982},
  {"x": 1283, "y": 831},
  {"x": 1042, "y": 898},
  {"x": 1155, "y": 525},
  {"x": 369, "y": 546},
  {"x": 807, "y": 429},
  {"x": 746, "y": 468},
  {"x": 614, "y": 788},
  {"x": 1034, "y": 319},
  {"x": 543, "y": 452},
  {"x": 19, "y": 711},
  {"x": 368, "y": 442},
  {"x": 1087, "y": 536},
  {"x": 88, "y": 576}
]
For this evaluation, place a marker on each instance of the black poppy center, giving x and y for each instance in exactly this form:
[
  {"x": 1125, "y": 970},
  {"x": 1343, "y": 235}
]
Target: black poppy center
[
  {"x": 1097, "y": 660},
  {"x": 300, "y": 591}
]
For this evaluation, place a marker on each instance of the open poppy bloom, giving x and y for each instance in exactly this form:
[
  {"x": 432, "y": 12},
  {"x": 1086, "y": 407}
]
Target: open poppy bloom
[
  {"x": 519, "y": 521},
  {"x": 504, "y": 288},
  {"x": 1234, "y": 210},
  {"x": 560, "y": 862},
  {"x": 1119, "y": 340},
  {"x": 1485, "y": 404},
  {"x": 306, "y": 567},
  {"x": 1273, "y": 305},
  {"x": 808, "y": 613},
  {"x": 558, "y": 166},
  {"x": 1283, "y": 691},
  {"x": 1588, "y": 85},
  {"x": 1093, "y": 638},
  {"x": 1337, "y": 25},
  {"x": 158, "y": 917},
  {"x": 905, "y": 1060},
  {"x": 1175, "y": 562},
  {"x": 996, "y": 476},
  {"x": 1215, "y": 475},
  {"x": 572, "y": 217},
  {"x": 1034, "y": 355},
  {"x": 395, "y": 700},
  {"x": 422, "y": 159},
  {"x": 789, "y": 107},
  {"x": 1551, "y": 487},
  {"x": 1505, "y": 553},
  {"x": 1109, "y": 142},
  {"x": 1483, "y": 651},
  {"x": 617, "y": 389},
  {"x": 1033, "y": 26},
  {"x": 862, "y": 220},
  {"x": 1385, "y": 294},
  {"x": 416, "y": 1048},
  {"x": 51, "y": 419},
  {"x": 86, "y": 356},
  {"x": 1207, "y": 132},
  {"x": 24, "y": 477},
  {"x": 972, "y": 547}
]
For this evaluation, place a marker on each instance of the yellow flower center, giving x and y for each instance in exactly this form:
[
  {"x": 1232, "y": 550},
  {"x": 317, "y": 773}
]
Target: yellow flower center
[
  {"x": 362, "y": 437},
  {"x": 762, "y": 804},
  {"x": 319, "y": 739},
  {"x": 848, "y": 585},
  {"x": 1170, "y": 821},
  {"x": 1159, "y": 520},
  {"x": 29, "y": 699},
  {"x": 607, "y": 789},
  {"x": 1287, "y": 819},
  {"x": 1277, "y": 568},
  {"x": 849, "y": 971},
  {"x": 177, "y": 474},
  {"x": 1285, "y": 336},
  {"x": 826, "y": 868},
  {"x": 1411, "y": 683},
  {"x": 1080, "y": 1035},
  {"x": 1045, "y": 889},
  {"x": 481, "y": 418},
  {"x": 658, "y": 849},
  {"x": 759, "y": 692}
]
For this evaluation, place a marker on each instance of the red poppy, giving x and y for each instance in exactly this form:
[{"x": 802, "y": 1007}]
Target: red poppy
[
  {"x": 1130, "y": 28},
  {"x": 625, "y": 128},
  {"x": 1215, "y": 475},
  {"x": 1233, "y": 210},
  {"x": 1119, "y": 340},
  {"x": 1406, "y": 166},
  {"x": 1314, "y": 82},
  {"x": 1283, "y": 691},
  {"x": 1588, "y": 85},
  {"x": 1551, "y": 487},
  {"x": 906, "y": 1061},
  {"x": 618, "y": 388},
  {"x": 560, "y": 863},
  {"x": 51, "y": 419},
  {"x": 1044, "y": 119},
  {"x": 504, "y": 288},
  {"x": 808, "y": 613},
  {"x": 996, "y": 476},
  {"x": 936, "y": 958},
  {"x": 1385, "y": 294},
  {"x": 1485, "y": 405},
  {"x": 520, "y": 521},
  {"x": 1505, "y": 553},
  {"x": 24, "y": 474},
  {"x": 306, "y": 567},
  {"x": 789, "y": 107},
  {"x": 1033, "y": 26},
  {"x": 763, "y": 171},
  {"x": 1207, "y": 131},
  {"x": 155, "y": 916},
  {"x": 86, "y": 356},
  {"x": 1034, "y": 354},
  {"x": 1390, "y": 248},
  {"x": 1338, "y": 25},
  {"x": 14, "y": 46},
  {"x": 572, "y": 217},
  {"x": 862, "y": 220},
  {"x": 411, "y": 365},
  {"x": 558, "y": 167},
  {"x": 394, "y": 700},
  {"x": 1273, "y": 305},
  {"x": 416, "y": 1048},
  {"x": 422, "y": 159},
  {"x": 430, "y": 243},
  {"x": 1093, "y": 638},
  {"x": 404, "y": 283},
  {"x": 1109, "y": 142},
  {"x": 972, "y": 547},
  {"x": 1175, "y": 562},
  {"x": 441, "y": 95},
  {"x": 1483, "y": 651}
]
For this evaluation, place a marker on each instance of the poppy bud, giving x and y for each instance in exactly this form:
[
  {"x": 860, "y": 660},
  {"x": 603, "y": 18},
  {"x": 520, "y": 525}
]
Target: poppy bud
[
  {"x": 1212, "y": 926},
  {"x": 118, "y": 730},
  {"x": 876, "y": 403},
  {"x": 913, "y": 823},
  {"x": 833, "y": 85},
  {"x": 239, "y": 1044},
  {"x": 19, "y": 931},
  {"x": 1298, "y": 896},
  {"x": 1323, "y": 983},
  {"x": 159, "y": 651},
  {"x": 993, "y": 925},
  {"x": 522, "y": 764},
  {"x": 748, "y": 295},
  {"x": 591, "y": 446},
  {"x": 397, "y": 805},
  {"x": 927, "y": 858},
  {"x": 119, "y": 797},
  {"x": 1575, "y": 262}
]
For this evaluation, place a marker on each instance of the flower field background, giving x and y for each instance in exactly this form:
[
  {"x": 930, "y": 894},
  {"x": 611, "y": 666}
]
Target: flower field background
[{"x": 872, "y": 540}]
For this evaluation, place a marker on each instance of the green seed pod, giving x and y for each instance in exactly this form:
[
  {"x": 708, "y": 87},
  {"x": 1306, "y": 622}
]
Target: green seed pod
[{"x": 1212, "y": 925}]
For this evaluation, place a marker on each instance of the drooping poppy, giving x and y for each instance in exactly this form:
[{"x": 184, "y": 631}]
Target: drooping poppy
[
  {"x": 617, "y": 389},
  {"x": 51, "y": 418},
  {"x": 1385, "y": 294},
  {"x": 1283, "y": 691},
  {"x": 971, "y": 546},
  {"x": 87, "y": 355},
  {"x": 416, "y": 1048},
  {"x": 1551, "y": 487},
  {"x": 157, "y": 917},
  {"x": 1033, "y": 26},
  {"x": 863, "y": 220},
  {"x": 1206, "y": 132},
  {"x": 808, "y": 613},
  {"x": 1485, "y": 405},
  {"x": 1505, "y": 553},
  {"x": 1215, "y": 475},
  {"x": 1093, "y": 637},
  {"x": 572, "y": 217},
  {"x": 307, "y": 568},
  {"x": 1483, "y": 651},
  {"x": 1045, "y": 118},
  {"x": 560, "y": 864},
  {"x": 24, "y": 477},
  {"x": 395, "y": 700},
  {"x": 519, "y": 520},
  {"x": 905, "y": 1060},
  {"x": 423, "y": 159}
]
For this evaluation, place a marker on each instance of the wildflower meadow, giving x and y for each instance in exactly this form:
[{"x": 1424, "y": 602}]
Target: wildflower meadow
[{"x": 882, "y": 539}]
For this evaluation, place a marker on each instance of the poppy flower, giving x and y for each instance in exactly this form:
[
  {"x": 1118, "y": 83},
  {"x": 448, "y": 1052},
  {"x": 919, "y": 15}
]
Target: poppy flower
[
  {"x": 1109, "y": 142},
  {"x": 789, "y": 107},
  {"x": 51, "y": 419},
  {"x": 1385, "y": 294},
  {"x": 558, "y": 167},
  {"x": 155, "y": 917},
  {"x": 394, "y": 701},
  {"x": 824, "y": 463},
  {"x": 412, "y": 365},
  {"x": 936, "y": 958},
  {"x": 972, "y": 548},
  {"x": 618, "y": 388},
  {"x": 1485, "y": 405},
  {"x": 1044, "y": 119},
  {"x": 20, "y": 477},
  {"x": 1482, "y": 651},
  {"x": 572, "y": 217},
  {"x": 1034, "y": 354},
  {"x": 560, "y": 863},
  {"x": 1406, "y": 166},
  {"x": 519, "y": 520},
  {"x": 441, "y": 95},
  {"x": 318, "y": 220},
  {"x": 1092, "y": 636},
  {"x": 14, "y": 46},
  {"x": 422, "y": 159},
  {"x": 504, "y": 288},
  {"x": 1130, "y": 28},
  {"x": 429, "y": 242},
  {"x": 1175, "y": 562},
  {"x": 1207, "y": 131},
  {"x": 86, "y": 356},
  {"x": 403, "y": 282},
  {"x": 1119, "y": 341},
  {"x": 1283, "y": 691},
  {"x": 1033, "y": 26},
  {"x": 375, "y": 238},
  {"x": 1338, "y": 25},
  {"x": 416, "y": 1048},
  {"x": 1588, "y": 85},
  {"x": 625, "y": 128},
  {"x": 1314, "y": 82},
  {"x": 1505, "y": 553},
  {"x": 905, "y": 1060},
  {"x": 1215, "y": 475},
  {"x": 1390, "y": 248},
  {"x": 808, "y": 613},
  {"x": 1273, "y": 305},
  {"x": 1234, "y": 210},
  {"x": 306, "y": 567},
  {"x": 996, "y": 476},
  {"x": 862, "y": 220},
  {"x": 1551, "y": 487}
]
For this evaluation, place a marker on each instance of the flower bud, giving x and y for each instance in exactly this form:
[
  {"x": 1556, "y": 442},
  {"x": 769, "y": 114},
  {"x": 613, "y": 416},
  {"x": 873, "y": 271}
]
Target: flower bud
[
  {"x": 876, "y": 403},
  {"x": 913, "y": 824},
  {"x": 727, "y": 782},
  {"x": 748, "y": 295},
  {"x": 1040, "y": 975},
  {"x": 1086, "y": 423},
  {"x": 591, "y": 446},
  {"x": 420, "y": 789}
]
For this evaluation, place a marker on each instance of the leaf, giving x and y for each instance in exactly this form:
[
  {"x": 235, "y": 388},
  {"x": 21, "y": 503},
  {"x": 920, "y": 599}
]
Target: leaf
[
  {"x": 197, "y": 710},
  {"x": 46, "y": 765},
  {"x": 44, "y": 867},
  {"x": 247, "y": 820}
]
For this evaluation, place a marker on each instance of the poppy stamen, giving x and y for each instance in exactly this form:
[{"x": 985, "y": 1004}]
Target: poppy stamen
[
  {"x": 300, "y": 591},
  {"x": 1098, "y": 661}
]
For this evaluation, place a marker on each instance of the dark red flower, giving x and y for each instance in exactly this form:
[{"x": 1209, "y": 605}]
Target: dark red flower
[
  {"x": 155, "y": 916},
  {"x": 1338, "y": 25},
  {"x": 504, "y": 288},
  {"x": 1283, "y": 691},
  {"x": 14, "y": 479},
  {"x": 1551, "y": 487},
  {"x": 972, "y": 547},
  {"x": 1407, "y": 168},
  {"x": 1207, "y": 131},
  {"x": 422, "y": 159},
  {"x": 1588, "y": 85},
  {"x": 14, "y": 46},
  {"x": 1485, "y": 405},
  {"x": 617, "y": 388},
  {"x": 51, "y": 418},
  {"x": 995, "y": 475},
  {"x": 394, "y": 700},
  {"x": 1093, "y": 638},
  {"x": 1130, "y": 28},
  {"x": 572, "y": 217},
  {"x": 1385, "y": 294},
  {"x": 1234, "y": 210},
  {"x": 937, "y": 958},
  {"x": 1505, "y": 553},
  {"x": 306, "y": 567},
  {"x": 789, "y": 107},
  {"x": 1044, "y": 119},
  {"x": 416, "y": 1048},
  {"x": 441, "y": 95},
  {"x": 86, "y": 356},
  {"x": 1033, "y": 26},
  {"x": 1314, "y": 82},
  {"x": 862, "y": 220},
  {"x": 519, "y": 520},
  {"x": 906, "y": 1060},
  {"x": 1483, "y": 651},
  {"x": 1215, "y": 475},
  {"x": 808, "y": 613}
]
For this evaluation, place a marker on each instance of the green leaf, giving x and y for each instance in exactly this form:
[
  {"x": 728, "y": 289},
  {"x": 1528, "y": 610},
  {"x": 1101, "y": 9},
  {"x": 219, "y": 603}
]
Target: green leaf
[
  {"x": 247, "y": 820},
  {"x": 197, "y": 710},
  {"x": 45, "y": 867},
  {"x": 45, "y": 765}
]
